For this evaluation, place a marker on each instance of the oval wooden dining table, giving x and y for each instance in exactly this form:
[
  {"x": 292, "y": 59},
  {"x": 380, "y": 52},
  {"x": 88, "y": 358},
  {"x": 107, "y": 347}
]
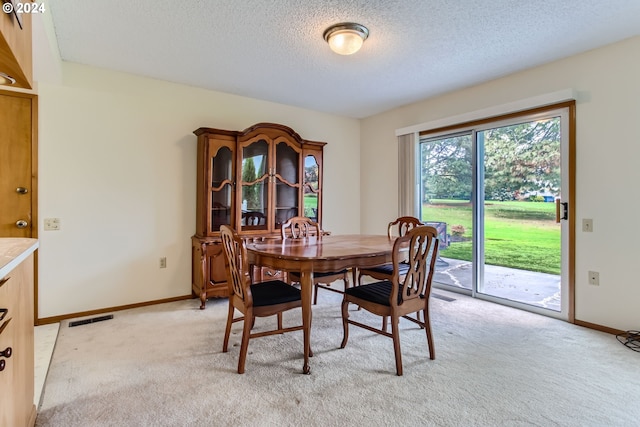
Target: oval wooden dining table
[{"x": 318, "y": 254}]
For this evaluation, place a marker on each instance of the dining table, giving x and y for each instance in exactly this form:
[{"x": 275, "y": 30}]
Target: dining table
[{"x": 318, "y": 254}]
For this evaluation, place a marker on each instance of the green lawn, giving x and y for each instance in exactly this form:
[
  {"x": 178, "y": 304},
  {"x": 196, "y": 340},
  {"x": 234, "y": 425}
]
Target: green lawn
[
  {"x": 310, "y": 203},
  {"x": 521, "y": 235}
]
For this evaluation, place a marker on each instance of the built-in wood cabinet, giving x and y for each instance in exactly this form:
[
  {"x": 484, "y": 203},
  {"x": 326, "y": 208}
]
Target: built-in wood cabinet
[
  {"x": 16, "y": 57},
  {"x": 16, "y": 332},
  {"x": 253, "y": 180}
]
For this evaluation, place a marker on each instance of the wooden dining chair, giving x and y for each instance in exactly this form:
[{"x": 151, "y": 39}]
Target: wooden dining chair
[
  {"x": 254, "y": 220},
  {"x": 398, "y": 297},
  {"x": 396, "y": 228},
  {"x": 252, "y": 300},
  {"x": 300, "y": 227}
]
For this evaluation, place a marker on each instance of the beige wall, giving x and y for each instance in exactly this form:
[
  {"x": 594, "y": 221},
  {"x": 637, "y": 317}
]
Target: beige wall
[
  {"x": 117, "y": 166},
  {"x": 608, "y": 148},
  {"x": 117, "y": 161}
]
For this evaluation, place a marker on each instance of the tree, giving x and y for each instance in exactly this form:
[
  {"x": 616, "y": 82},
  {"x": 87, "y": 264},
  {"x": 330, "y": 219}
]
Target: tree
[
  {"x": 446, "y": 168},
  {"x": 518, "y": 159},
  {"x": 311, "y": 176},
  {"x": 250, "y": 192},
  {"x": 522, "y": 158}
]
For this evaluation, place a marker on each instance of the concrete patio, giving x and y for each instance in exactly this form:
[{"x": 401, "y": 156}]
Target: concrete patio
[{"x": 528, "y": 287}]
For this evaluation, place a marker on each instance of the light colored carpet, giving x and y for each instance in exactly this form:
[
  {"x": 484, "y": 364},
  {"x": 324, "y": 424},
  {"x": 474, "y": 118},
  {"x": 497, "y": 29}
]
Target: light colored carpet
[{"x": 495, "y": 366}]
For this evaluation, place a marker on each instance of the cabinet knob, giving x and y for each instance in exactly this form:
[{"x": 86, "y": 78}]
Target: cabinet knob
[
  {"x": 21, "y": 190},
  {"x": 21, "y": 223},
  {"x": 2, "y": 365}
]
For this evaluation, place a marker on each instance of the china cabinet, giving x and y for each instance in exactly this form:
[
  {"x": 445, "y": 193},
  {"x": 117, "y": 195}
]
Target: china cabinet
[{"x": 253, "y": 180}]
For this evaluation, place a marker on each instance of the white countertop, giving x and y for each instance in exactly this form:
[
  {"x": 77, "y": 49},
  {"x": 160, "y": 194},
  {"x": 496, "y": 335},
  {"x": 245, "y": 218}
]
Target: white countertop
[{"x": 14, "y": 250}]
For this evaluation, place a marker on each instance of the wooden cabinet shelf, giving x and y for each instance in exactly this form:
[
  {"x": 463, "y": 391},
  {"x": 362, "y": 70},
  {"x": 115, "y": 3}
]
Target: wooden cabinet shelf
[{"x": 252, "y": 180}]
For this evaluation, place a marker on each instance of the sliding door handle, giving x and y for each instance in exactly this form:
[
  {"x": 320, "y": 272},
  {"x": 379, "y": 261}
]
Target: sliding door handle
[{"x": 562, "y": 210}]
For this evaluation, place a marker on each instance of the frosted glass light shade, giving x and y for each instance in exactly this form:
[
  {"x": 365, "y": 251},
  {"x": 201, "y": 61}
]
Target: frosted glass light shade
[{"x": 346, "y": 38}]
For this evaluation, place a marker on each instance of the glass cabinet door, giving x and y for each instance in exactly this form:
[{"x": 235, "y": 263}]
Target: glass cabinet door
[
  {"x": 221, "y": 188},
  {"x": 311, "y": 187},
  {"x": 255, "y": 186},
  {"x": 287, "y": 183}
]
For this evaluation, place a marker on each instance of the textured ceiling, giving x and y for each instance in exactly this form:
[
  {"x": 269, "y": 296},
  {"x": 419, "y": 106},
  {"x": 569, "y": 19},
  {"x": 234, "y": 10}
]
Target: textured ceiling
[{"x": 273, "y": 49}]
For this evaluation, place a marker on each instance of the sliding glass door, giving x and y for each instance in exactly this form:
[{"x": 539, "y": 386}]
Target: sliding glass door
[
  {"x": 497, "y": 192},
  {"x": 446, "y": 184}
]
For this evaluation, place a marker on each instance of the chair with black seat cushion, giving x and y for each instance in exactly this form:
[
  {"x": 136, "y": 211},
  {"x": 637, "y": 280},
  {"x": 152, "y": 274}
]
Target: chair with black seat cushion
[
  {"x": 397, "y": 228},
  {"x": 252, "y": 300},
  {"x": 398, "y": 297},
  {"x": 300, "y": 227}
]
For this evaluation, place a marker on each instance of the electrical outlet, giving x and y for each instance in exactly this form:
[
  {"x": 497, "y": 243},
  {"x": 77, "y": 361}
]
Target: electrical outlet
[
  {"x": 52, "y": 224},
  {"x": 594, "y": 278},
  {"x": 587, "y": 225},
  {"x": 163, "y": 262}
]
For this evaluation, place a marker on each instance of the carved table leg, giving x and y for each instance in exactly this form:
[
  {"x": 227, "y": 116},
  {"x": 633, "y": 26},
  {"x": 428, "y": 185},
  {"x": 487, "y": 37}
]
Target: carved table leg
[{"x": 306, "y": 286}]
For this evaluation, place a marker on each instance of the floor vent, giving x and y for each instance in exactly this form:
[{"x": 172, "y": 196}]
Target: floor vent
[
  {"x": 92, "y": 320},
  {"x": 443, "y": 298}
]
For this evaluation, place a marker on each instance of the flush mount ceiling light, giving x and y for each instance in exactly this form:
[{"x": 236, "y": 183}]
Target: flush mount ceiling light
[
  {"x": 6, "y": 79},
  {"x": 346, "y": 38}
]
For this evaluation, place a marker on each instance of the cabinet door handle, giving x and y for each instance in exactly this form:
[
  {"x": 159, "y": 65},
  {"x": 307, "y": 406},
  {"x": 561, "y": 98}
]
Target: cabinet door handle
[
  {"x": 7, "y": 352},
  {"x": 4, "y": 325},
  {"x": 272, "y": 273},
  {"x": 3, "y": 313},
  {"x": 5, "y": 280}
]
